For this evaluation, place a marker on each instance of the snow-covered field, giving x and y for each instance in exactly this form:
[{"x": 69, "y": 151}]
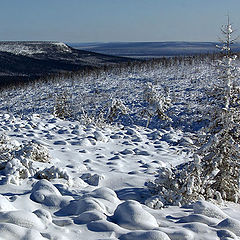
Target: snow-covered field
[{"x": 66, "y": 179}]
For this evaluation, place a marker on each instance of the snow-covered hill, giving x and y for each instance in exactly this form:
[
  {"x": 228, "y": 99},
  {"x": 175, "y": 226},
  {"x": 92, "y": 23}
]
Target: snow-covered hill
[
  {"x": 32, "y": 48},
  {"x": 151, "y": 49},
  {"x": 30, "y": 60}
]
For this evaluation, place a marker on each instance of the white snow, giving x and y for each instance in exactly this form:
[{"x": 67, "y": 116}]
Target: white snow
[{"x": 96, "y": 190}]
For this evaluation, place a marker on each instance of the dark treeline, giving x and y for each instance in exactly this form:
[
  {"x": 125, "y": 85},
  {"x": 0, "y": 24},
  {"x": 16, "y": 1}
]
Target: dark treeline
[{"x": 119, "y": 68}]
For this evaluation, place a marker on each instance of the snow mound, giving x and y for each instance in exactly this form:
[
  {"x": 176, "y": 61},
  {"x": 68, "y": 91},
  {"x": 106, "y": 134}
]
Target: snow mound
[
  {"x": 105, "y": 193},
  {"x": 5, "y": 205},
  {"x": 230, "y": 224},
  {"x": 22, "y": 219},
  {"x": 47, "y": 194},
  {"x": 208, "y": 209},
  {"x": 99, "y": 136},
  {"x": 85, "y": 142},
  {"x": 15, "y": 232},
  {"x": 199, "y": 218},
  {"x": 92, "y": 179},
  {"x": 198, "y": 228},
  {"x": 143, "y": 235},
  {"x": 132, "y": 216},
  {"x": 108, "y": 197},
  {"x": 104, "y": 226},
  {"x": 44, "y": 215},
  {"x": 179, "y": 233},
  {"x": 76, "y": 207},
  {"x": 89, "y": 216}
]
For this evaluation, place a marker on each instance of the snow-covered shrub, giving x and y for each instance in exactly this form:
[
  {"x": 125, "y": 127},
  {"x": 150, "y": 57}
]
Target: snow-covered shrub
[
  {"x": 63, "y": 107},
  {"x": 7, "y": 147},
  {"x": 177, "y": 185},
  {"x": 116, "y": 108},
  {"x": 17, "y": 160},
  {"x": 18, "y": 169},
  {"x": 34, "y": 151},
  {"x": 108, "y": 113},
  {"x": 52, "y": 173},
  {"x": 156, "y": 103}
]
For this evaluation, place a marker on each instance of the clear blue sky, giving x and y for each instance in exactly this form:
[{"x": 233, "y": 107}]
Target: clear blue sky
[{"x": 116, "y": 20}]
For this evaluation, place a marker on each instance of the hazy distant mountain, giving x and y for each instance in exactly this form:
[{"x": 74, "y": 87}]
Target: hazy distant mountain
[
  {"x": 150, "y": 49},
  {"x": 24, "y": 60}
]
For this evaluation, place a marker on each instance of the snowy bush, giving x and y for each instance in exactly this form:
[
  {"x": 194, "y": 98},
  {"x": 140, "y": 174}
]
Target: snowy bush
[
  {"x": 7, "y": 147},
  {"x": 116, "y": 109},
  {"x": 176, "y": 186},
  {"x": 17, "y": 160},
  {"x": 112, "y": 110},
  {"x": 34, "y": 151},
  {"x": 52, "y": 173},
  {"x": 157, "y": 103},
  {"x": 63, "y": 107},
  {"x": 16, "y": 170}
]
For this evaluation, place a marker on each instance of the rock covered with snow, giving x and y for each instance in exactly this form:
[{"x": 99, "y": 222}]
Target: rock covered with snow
[
  {"x": 6, "y": 205},
  {"x": 143, "y": 235},
  {"x": 77, "y": 207},
  {"x": 46, "y": 193},
  {"x": 15, "y": 232},
  {"x": 22, "y": 219},
  {"x": 92, "y": 179},
  {"x": 104, "y": 226},
  {"x": 132, "y": 216},
  {"x": 89, "y": 216},
  {"x": 208, "y": 209},
  {"x": 230, "y": 224},
  {"x": 108, "y": 197},
  {"x": 99, "y": 136}
]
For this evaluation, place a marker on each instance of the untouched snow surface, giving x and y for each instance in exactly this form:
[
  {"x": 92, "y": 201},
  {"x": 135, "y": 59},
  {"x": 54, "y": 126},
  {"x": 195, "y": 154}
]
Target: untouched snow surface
[{"x": 62, "y": 180}]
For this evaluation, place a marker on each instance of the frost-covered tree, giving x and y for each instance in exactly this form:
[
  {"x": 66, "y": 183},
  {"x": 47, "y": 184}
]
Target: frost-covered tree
[
  {"x": 220, "y": 149},
  {"x": 215, "y": 170}
]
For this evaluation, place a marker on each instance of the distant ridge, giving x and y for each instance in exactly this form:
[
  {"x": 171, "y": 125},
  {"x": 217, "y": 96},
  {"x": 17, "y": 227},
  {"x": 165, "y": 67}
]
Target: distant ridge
[
  {"x": 151, "y": 49},
  {"x": 34, "y": 59}
]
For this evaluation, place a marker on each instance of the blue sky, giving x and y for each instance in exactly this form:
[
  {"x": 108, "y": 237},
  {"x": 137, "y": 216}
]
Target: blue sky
[{"x": 116, "y": 20}]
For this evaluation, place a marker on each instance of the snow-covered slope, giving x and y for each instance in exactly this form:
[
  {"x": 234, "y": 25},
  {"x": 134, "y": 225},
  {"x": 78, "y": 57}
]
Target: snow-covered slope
[{"x": 73, "y": 179}]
